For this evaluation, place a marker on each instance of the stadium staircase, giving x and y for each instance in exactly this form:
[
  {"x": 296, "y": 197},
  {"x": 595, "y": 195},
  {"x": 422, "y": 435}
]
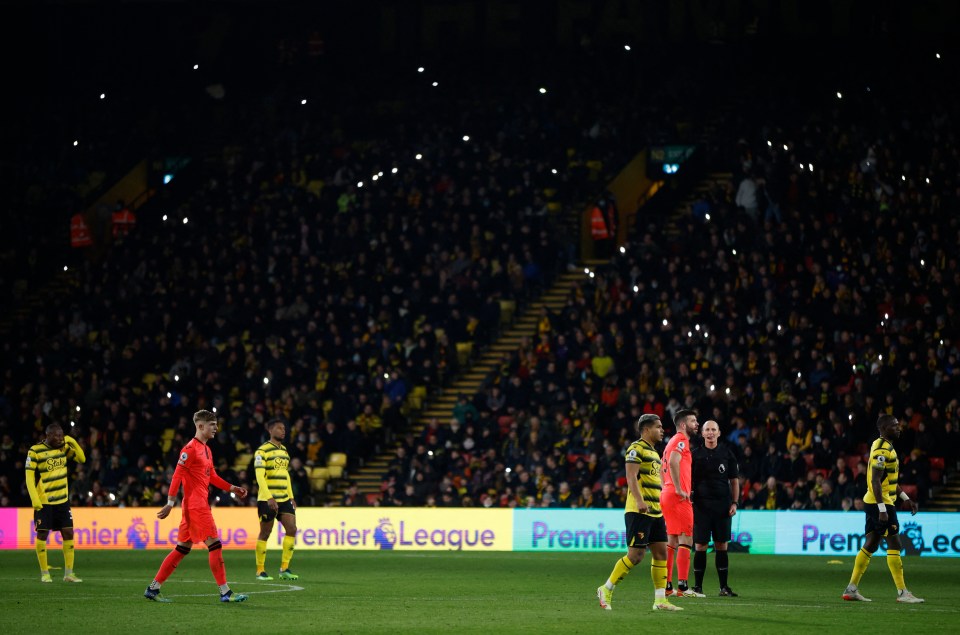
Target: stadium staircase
[
  {"x": 474, "y": 375},
  {"x": 946, "y": 497},
  {"x": 674, "y": 226}
]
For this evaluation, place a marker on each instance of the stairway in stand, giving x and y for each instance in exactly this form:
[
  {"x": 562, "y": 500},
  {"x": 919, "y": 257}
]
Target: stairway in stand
[
  {"x": 946, "y": 498},
  {"x": 472, "y": 378}
]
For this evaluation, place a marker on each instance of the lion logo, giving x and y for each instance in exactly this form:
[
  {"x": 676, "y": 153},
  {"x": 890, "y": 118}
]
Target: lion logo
[
  {"x": 137, "y": 535},
  {"x": 912, "y": 539},
  {"x": 385, "y": 535}
]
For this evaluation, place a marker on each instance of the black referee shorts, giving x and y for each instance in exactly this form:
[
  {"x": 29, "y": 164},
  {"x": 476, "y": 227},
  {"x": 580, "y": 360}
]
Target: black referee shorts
[{"x": 711, "y": 521}]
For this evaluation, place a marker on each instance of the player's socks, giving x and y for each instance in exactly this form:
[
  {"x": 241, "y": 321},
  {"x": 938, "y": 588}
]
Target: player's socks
[
  {"x": 699, "y": 568},
  {"x": 261, "y": 556},
  {"x": 895, "y": 564},
  {"x": 170, "y": 563},
  {"x": 671, "y": 555},
  {"x": 41, "y": 548},
  {"x": 68, "y": 554},
  {"x": 723, "y": 562},
  {"x": 620, "y": 571},
  {"x": 658, "y": 573},
  {"x": 860, "y": 566},
  {"x": 683, "y": 566},
  {"x": 224, "y": 588},
  {"x": 288, "y": 544},
  {"x": 216, "y": 565}
]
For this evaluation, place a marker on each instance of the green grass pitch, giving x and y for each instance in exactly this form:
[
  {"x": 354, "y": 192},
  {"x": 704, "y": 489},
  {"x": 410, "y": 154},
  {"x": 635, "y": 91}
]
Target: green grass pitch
[{"x": 441, "y": 592}]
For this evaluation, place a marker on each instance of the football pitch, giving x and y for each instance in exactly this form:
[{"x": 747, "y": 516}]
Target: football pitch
[{"x": 457, "y": 592}]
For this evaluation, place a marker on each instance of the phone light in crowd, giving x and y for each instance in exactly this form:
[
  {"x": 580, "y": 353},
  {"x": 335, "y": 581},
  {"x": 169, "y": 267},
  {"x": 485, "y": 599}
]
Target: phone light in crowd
[
  {"x": 380, "y": 173},
  {"x": 810, "y": 166},
  {"x": 75, "y": 143},
  {"x": 196, "y": 67},
  {"x": 592, "y": 275},
  {"x": 623, "y": 250},
  {"x": 941, "y": 342},
  {"x": 927, "y": 180},
  {"x": 727, "y": 391},
  {"x": 429, "y": 452},
  {"x": 164, "y": 218},
  {"x": 636, "y": 289},
  {"x": 586, "y": 272},
  {"x": 880, "y": 358},
  {"x": 850, "y": 417},
  {"x": 696, "y": 327},
  {"x": 393, "y": 171},
  {"x": 303, "y": 102},
  {"x": 420, "y": 69},
  {"x": 922, "y": 263},
  {"x": 73, "y": 423},
  {"x": 266, "y": 381},
  {"x": 466, "y": 137},
  {"x": 785, "y": 147},
  {"x": 419, "y": 156},
  {"x": 359, "y": 183},
  {"x": 78, "y": 408},
  {"x": 798, "y": 374},
  {"x": 167, "y": 178},
  {"x": 734, "y": 251},
  {"x": 65, "y": 267},
  {"x": 839, "y": 95},
  {"x": 103, "y": 95},
  {"x": 375, "y": 177},
  {"x": 186, "y": 220},
  {"x": 665, "y": 323},
  {"x": 386, "y": 376},
  {"x": 712, "y": 387},
  {"x": 769, "y": 143},
  {"x": 214, "y": 409},
  {"x": 903, "y": 177},
  {"x": 938, "y": 56},
  {"x": 707, "y": 216},
  {"x": 112, "y": 496},
  {"x": 626, "y": 47},
  {"x": 779, "y": 327},
  {"x": 543, "y": 91},
  {"x": 169, "y": 395},
  {"x": 435, "y": 84},
  {"x": 554, "y": 171},
  {"x": 176, "y": 378},
  {"x": 689, "y": 334},
  {"x": 886, "y": 316}
]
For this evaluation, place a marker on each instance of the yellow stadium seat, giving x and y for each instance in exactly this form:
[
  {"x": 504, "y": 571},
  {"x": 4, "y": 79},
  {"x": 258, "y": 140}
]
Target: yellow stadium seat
[
  {"x": 507, "y": 310},
  {"x": 336, "y": 471},
  {"x": 149, "y": 379},
  {"x": 318, "y": 484},
  {"x": 464, "y": 351},
  {"x": 338, "y": 459},
  {"x": 320, "y": 472}
]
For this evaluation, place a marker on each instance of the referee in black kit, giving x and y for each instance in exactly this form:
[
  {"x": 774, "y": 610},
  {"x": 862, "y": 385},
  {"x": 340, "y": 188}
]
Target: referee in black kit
[{"x": 716, "y": 492}]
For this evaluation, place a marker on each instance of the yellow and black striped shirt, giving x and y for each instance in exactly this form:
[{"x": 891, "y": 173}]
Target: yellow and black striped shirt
[
  {"x": 649, "y": 477},
  {"x": 271, "y": 463},
  {"x": 884, "y": 458},
  {"x": 51, "y": 466}
]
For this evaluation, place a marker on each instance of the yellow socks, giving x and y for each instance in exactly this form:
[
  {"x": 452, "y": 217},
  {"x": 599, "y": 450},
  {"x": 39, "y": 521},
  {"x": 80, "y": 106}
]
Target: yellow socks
[
  {"x": 288, "y": 544},
  {"x": 895, "y": 564},
  {"x": 860, "y": 566},
  {"x": 41, "y": 548},
  {"x": 261, "y": 556},
  {"x": 68, "y": 554},
  {"x": 620, "y": 570}
]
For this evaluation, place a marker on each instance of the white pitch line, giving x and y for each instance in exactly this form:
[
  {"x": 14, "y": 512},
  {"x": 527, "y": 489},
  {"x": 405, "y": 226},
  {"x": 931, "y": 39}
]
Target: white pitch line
[{"x": 287, "y": 589}]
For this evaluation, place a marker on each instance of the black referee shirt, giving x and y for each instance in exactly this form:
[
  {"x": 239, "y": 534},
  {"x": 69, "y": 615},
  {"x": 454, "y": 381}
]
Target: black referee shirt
[{"x": 712, "y": 471}]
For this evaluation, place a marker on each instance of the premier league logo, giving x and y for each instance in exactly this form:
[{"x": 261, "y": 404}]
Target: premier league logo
[
  {"x": 385, "y": 535},
  {"x": 912, "y": 539},
  {"x": 137, "y": 535}
]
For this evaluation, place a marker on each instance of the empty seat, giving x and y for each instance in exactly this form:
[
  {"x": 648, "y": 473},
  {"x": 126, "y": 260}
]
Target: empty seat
[
  {"x": 336, "y": 471},
  {"x": 338, "y": 459}
]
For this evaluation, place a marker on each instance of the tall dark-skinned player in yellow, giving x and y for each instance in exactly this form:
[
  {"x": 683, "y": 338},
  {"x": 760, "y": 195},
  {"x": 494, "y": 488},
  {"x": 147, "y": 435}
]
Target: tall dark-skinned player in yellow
[{"x": 275, "y": 499}]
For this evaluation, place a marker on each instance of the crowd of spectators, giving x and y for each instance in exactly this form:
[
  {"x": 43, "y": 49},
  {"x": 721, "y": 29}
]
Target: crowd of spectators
[{"x": 320, "y": 277}]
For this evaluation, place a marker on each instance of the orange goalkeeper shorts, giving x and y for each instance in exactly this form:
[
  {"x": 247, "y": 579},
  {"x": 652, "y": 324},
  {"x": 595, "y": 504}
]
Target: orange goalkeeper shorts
[
  {"x": 197, "y": 525},
  {"x": 678, "y": 514}
]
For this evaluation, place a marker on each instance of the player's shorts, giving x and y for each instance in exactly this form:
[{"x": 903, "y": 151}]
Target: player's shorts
[
  {"x": 266, "y": 514},
  {"x": 677, "y": 513},
  {"x": 53, "y": 518},
  {"x": 197, "y": 525},
  {"x": 643, "y": 529},
  {"x": 708, "y": 521},
  {"x": 873, "y": 524}
]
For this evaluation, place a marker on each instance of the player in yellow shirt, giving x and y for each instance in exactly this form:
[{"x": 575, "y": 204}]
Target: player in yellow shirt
[
  {"x": 643, "y": 516},
  {"x": 275, "y": 499},
  {"x": 46, "y": 473},
  {"x": 880, "y": 503}
]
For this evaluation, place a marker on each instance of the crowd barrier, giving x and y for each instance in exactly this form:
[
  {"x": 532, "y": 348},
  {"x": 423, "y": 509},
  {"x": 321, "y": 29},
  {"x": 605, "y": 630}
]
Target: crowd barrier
[{"x": 419, "y": 529}]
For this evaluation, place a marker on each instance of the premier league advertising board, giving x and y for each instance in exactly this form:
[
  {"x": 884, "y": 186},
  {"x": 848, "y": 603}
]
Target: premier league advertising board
[{"x": 410, "y": 529}]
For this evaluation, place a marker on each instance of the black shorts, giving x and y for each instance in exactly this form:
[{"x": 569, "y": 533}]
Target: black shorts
[
  {"x": 266, "y": 514},
  {"x": 710, "y": 521},
  {"x": 873, "y": 524},
  {"x": 53, "y": 518},
  {"x": 643, "y": 529}
]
